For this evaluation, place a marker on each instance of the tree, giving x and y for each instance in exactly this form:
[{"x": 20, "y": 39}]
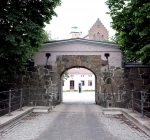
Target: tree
[
  {"x": 65, "y": 76},
  {"x": 111, "y": 39},
  {"x": 21, "y": 32},
  {"x": 131, "y": 20},
  {"x": 47, "y": 36}
]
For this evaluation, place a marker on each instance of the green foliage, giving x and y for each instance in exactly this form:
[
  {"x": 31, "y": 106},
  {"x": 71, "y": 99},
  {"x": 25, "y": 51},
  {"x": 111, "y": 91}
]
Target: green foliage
[
  {"x": 65, "y": 76},
  {"x": 21, "y": 32},
  {"x": 131, "y": 20},
  {"x": 111, "y": 39},
  {"x": 46, "y": 36}
]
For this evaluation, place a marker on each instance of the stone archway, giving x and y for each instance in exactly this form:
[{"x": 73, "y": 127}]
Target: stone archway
[{"x": 91, "y": 62}]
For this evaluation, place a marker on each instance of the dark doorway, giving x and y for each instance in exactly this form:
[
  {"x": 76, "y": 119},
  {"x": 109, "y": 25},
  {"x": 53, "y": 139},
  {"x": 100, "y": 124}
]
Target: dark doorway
[{"x": 72, "y": 84}]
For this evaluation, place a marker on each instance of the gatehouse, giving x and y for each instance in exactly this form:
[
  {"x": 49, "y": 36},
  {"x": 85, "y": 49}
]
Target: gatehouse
[{"x": 77, "y": 52}]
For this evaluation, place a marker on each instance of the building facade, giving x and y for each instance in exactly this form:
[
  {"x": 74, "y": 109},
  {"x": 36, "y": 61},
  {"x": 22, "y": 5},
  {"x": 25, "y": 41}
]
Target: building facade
[
  {"x": 79, "y": 76},
  {"x": 97, "y": 32}
]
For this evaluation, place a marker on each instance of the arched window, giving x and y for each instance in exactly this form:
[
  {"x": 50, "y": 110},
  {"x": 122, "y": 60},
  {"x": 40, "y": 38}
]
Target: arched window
[
  {"x": 94, "y": 37},
  {"x": 98, "y": 36},
  {"x": 102, "y": 37}
]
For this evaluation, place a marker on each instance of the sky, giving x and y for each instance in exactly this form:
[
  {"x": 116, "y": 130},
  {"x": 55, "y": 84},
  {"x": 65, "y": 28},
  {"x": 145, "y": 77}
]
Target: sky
[{"x": 80, "y": 13}]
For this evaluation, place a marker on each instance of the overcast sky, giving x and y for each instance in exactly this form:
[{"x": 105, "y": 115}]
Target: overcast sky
[{"x": 80, "y": 13}]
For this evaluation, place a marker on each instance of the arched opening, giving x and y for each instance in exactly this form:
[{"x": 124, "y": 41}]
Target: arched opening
[
  {"x": 78, "y": 85},
  {"x": 102, "y": 37},
  {"x": 98, "y": 36},
  {"x": 90, "y": 62},
  {"x": 94, "y": 37}
]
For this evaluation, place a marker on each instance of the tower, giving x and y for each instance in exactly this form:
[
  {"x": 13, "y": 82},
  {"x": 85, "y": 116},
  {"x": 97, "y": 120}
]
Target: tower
[{"x": 75, "y": 32}]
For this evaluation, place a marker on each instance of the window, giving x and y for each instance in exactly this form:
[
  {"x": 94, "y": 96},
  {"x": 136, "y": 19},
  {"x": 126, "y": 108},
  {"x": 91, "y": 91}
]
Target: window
[
  {"x": 72, "y": 83},
  {"x": 102, "y": 37},
  {"x": 82, "y": 83},
  {"x": 98, "y": 26},
  {"x": 71, "y": 75},
  {"x": 94, "y": 37},
  {"x": 89, "y": 82},
  {"x": 82, "y": 75},
  {"x": 90, "y": 75},
  {"x": 98, "y": 36}
]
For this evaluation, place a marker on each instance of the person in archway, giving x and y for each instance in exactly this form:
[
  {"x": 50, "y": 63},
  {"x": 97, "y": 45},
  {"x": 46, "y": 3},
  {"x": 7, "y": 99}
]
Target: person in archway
[{"x": 79, "y": 87}]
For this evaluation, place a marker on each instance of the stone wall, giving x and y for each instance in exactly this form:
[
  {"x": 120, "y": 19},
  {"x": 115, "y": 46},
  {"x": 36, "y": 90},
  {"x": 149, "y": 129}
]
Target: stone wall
[
  {"x": 111, "y": 85},
  {"x": 90, "y": 62},
  {"x": 137, "y": 78},
  {"x": 115, "y": 95},
  {"x": 37, "y": 86}
]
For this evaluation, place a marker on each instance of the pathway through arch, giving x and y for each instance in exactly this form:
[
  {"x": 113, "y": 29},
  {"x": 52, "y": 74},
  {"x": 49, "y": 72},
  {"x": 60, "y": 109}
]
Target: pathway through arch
[{"x": 76, "y": 97}]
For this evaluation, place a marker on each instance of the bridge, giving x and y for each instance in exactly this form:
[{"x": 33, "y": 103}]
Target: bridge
[{"x": 118, "y": 114}]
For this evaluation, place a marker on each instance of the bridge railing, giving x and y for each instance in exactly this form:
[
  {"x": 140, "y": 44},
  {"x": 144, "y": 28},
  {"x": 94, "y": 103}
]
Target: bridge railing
[
  {"x": 15, "y": 99},
  {"x": 139, "y": 101},
  {"x": 132, "y": 99}
]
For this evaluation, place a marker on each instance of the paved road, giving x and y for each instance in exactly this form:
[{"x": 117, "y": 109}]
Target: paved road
[
  {"x": 77, "y": 122},
  {"x": 74, "y": 120},
  {"x": 86, "y": 97}
]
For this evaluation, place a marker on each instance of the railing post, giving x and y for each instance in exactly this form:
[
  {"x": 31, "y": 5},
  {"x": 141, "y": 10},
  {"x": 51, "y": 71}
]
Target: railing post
[
  {"x": 46, "y": 96},
  {"x": 104, "y": 100},
  {"x": 54, "y": 100},
  {"x": 9, "y": 111},
  {"x": 132, "y": 101},
  {"x": 127, "y": 106},
  {"x": 142, "y": 104},
  {"x": 21, "y": 100},
  {"x": 29, "y": 97}
]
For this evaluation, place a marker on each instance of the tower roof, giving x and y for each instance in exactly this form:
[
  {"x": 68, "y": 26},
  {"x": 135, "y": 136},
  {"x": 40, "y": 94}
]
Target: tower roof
[{"x": 74, "y": 29}]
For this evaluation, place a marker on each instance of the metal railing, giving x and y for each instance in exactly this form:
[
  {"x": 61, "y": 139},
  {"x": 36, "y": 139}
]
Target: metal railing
[
  {"x": 136, "y": 100},
  {"x": 139, "y": 101},
  {"x": 15, "y": 99}
]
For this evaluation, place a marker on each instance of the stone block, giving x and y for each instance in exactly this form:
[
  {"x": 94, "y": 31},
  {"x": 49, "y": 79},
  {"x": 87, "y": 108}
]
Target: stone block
[
  {"x": 117, "y": 68},
  {"x": 65, "y": 59},
  {"x": 134, "y": 70},
  {"x": 146, "y": 81},
  {"x": 134, "y": 76},
  {"x": 137, "y": 84},
  {"x": 144, "y": 70},
  {"x": 96, "y": 61},
  {"x": 103, "y": 89},
  {"x": 34, "y": 76},
  {"x": 127, "y": 70},
  {"x": 78, "y": 62},
  {"x": 104, "y": 62},
  {"x": 118, "y": 73},
  {"x": 128, "y": 85},
  {"x": 112, "y": 67},
  {"x": 145, "y": 87},
  {"x": 43, "y": 71},
  {"x": 119, "y": 82},
  {"x": 145, "y": 76},
  {"x": 83, "y": 58},
  {"x": 25, "y": 80},
  {"x": 33, "y": 82}
]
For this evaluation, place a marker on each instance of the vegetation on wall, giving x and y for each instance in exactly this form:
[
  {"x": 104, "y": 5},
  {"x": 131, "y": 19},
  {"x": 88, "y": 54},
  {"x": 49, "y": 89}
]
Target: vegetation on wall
[
  {"x": 131, "y": 20},
  {"x": 21, "y": 32}
]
